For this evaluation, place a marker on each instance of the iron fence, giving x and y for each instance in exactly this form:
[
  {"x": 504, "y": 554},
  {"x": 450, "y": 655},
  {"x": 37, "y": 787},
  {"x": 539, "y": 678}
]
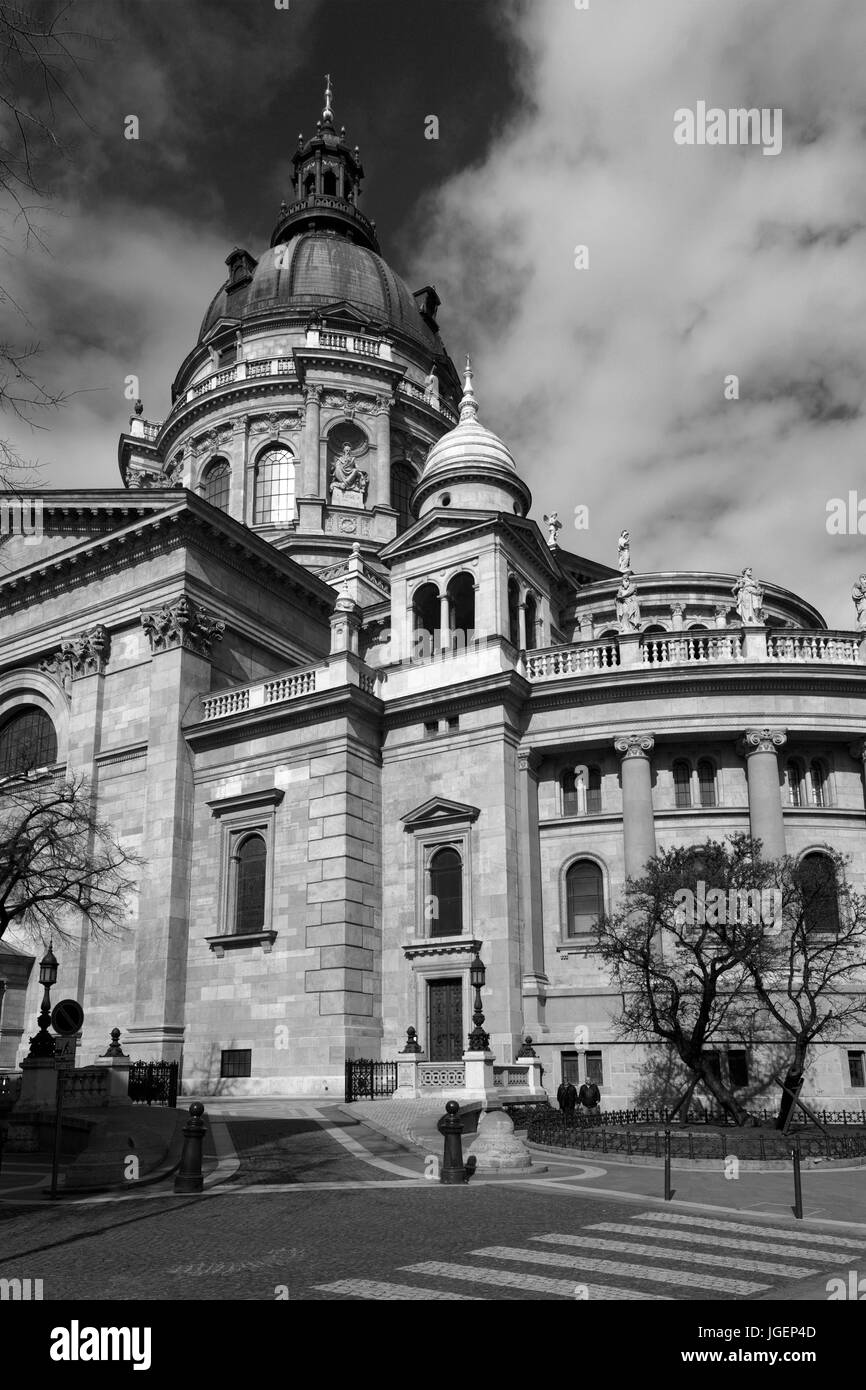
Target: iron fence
[
  {"x": 366, "y": 1079},
  {"x": 559, "y": 1131},
  {"x": 153, "y": 1083}
]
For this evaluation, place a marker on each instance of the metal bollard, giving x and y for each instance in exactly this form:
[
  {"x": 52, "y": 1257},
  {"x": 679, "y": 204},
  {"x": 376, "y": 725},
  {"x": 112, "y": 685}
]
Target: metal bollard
[
  {"x": 189, "y": 1177},
  {"x": 452, "y": 1158},
  {"x": 668, "y": 1190},
  {"x": 798, "y": 1186}
]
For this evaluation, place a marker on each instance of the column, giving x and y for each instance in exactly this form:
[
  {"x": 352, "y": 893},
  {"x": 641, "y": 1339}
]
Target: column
[
  {"x": 313, "y": 398},
  {"x": 638, "y": 827},
  {"x": 766, "y": 819},
  {"x": 381, "y": 480},
  {"x": 529, "y": 867},
  {"x": 521, "y": 624}
]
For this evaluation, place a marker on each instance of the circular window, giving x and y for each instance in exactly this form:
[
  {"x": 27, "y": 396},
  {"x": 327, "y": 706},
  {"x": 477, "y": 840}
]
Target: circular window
[{"x": 445, "y": 499}]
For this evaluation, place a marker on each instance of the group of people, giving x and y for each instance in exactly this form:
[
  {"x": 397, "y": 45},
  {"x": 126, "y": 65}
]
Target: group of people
[{"x": 568, "y": 1097}]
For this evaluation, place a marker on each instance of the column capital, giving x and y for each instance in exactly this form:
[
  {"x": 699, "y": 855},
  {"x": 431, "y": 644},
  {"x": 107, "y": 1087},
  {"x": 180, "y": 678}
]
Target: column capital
[
  {"x": 182, "y": 623},
  {"x": 858, "y": 749},
  {"x": 634, "y": 745},
  {"x": 528, "y": 759},
  {"x": 762, "y": 741}
]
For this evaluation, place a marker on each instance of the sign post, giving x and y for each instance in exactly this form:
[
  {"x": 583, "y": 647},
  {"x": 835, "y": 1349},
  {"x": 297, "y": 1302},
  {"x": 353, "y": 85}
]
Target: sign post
[{"x": 66, "y": 1020}]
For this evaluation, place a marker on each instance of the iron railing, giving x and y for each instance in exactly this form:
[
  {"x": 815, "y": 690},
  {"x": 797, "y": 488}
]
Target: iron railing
[
  {"x": 366, "y": 1079},
  {"x": 557, "y": 1130},
  {"x": 153, "y": 1083}
]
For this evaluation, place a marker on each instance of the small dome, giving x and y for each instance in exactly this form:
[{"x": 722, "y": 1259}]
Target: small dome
[{"x": 469, "y": 442}]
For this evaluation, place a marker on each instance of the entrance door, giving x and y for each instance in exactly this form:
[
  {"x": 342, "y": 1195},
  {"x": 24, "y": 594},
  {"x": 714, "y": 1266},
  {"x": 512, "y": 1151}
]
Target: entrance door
[{"x": 445, "y": 1020}]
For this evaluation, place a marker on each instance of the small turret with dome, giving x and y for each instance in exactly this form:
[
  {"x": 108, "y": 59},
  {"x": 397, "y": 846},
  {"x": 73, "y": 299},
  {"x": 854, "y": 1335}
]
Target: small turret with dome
[{"x": 470, "y": 467}]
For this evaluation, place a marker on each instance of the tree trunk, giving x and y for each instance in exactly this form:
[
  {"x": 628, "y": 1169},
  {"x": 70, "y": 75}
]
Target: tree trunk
[
  {"x": 727, "y": 1100},
  {"x": 793, "y": 1080}
]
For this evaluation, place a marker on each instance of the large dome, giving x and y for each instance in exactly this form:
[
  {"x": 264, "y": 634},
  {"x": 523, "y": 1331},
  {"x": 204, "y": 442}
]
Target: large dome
[{"x": 317, "y": 268}]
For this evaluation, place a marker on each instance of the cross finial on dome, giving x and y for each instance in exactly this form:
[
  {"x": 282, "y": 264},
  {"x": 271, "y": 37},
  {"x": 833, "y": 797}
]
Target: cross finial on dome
[
  {"x": 327, "y": 109},
  {"x": 468, "y": 403}
]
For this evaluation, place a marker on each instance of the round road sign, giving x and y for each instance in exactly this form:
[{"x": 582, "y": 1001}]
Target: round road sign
[{"x": 67, "y": 1017}]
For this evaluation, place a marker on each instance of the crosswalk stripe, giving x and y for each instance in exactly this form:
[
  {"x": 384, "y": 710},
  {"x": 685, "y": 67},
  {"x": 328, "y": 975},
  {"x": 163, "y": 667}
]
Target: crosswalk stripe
[
  {"x": 690, "y": 1278},
  {"x": 378, "y": 1288},
  {"x": 695, "y": 1257},
  {"x": 754, "y": 1229},
  {"x": 532, "y": 1283},
  {"x": 699, "y": 1238}
]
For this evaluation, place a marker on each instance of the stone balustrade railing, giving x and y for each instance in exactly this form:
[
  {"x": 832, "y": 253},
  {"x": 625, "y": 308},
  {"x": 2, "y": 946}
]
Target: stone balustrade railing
[
  {"x": 434, "y": 1076},
  {"x": 87, "y": 1087},
  {"x": 293, "y": 685},
  {"x": 242, "y": 371},
  {"x": 513, "y": 1074},
  {"x": 723, "y": 646}
]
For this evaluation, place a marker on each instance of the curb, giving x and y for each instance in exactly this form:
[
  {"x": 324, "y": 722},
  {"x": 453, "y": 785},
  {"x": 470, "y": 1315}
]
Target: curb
[{"x": 698, "y": 1165}]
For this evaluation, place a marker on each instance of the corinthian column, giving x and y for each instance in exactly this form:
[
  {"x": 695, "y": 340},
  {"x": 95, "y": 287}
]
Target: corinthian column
[
  {"x": 381, "y": 480},
  {"x": 766, "y": 819},
  {"x": 638, "y": 827},
  {"x": 313, "y": 398}
]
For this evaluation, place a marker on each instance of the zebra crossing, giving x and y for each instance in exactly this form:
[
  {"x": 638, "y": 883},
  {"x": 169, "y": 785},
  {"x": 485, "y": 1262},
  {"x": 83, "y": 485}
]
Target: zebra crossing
[{"x": 656, "y": 1255}]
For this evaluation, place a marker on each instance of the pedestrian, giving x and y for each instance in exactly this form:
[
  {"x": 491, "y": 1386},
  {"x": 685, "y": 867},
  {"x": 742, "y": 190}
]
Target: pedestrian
[
  {"x": 589, "y": 1097},
  {"x": 567, "y": 1098}
]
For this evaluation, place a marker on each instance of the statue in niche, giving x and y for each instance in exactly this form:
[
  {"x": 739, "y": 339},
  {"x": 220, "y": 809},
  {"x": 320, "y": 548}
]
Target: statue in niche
[
  {"x": 749, "y": 596},
  {"x": 431, "y": 386},
  {"x": 580, "y": 789},
  {"x": 627, "y": 606},
  {"x": 349, "y": 483},
  {"x": 858, "y": 594},
  {"x": 624, "y": 549}
]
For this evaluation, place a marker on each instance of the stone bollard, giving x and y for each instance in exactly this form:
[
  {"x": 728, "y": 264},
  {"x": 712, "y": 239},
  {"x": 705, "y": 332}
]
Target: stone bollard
[
  {"x": 189, "y": 1177},
  {"x": 452, "y": 1157}
]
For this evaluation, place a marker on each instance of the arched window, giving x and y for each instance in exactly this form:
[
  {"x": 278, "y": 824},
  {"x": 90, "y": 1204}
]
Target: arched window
[
  {"x": 216, "y": 484},
  {"x": 250, "y": 888},
  {"x": 461, "y": 604},
  {"x": 274, "y": 487},
  {"x": 585, "y": 897},
  {"x": 531, "y": 620},
  {"x": 568, "y": 787},
  {"x": 27, "y": 741},
  {"x": 425, "y": 620},
  {"x": 329, "y": 183},
  {"x": 818, "y": 783},
  {"x": 446, "y": 893},
  {"x": 697, "y": 627},
  {"x": 706, "y": 782},
  {"x": 309, "y": 184},
  {"x": 593, "y": 792},
  {"x": 513, "y": 612},
  {"x": 402, "y": 487},
  {"x": 682, "y": 784},
  {"x": 817, "y": 879},
  {"x": 794, "y": 782}
]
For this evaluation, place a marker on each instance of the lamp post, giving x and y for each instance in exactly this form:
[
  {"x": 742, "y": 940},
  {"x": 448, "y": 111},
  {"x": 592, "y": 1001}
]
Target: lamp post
[
  {"x": 42, "y": 1045},
  {"x": 479, "y": 1041}
]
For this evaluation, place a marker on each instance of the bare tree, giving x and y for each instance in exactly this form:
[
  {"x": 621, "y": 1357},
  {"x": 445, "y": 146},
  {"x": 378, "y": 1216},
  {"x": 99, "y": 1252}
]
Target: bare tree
[
  {"x": 39, "y": 53},
  {"x": 57, "y": 857}
]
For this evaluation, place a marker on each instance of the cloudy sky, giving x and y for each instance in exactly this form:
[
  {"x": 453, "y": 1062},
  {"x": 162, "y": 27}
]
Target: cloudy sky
[{"x": 555, "y": 131}]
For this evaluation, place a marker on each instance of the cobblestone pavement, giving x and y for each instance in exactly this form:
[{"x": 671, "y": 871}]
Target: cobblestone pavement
[{"x": 373, "y": 1237}]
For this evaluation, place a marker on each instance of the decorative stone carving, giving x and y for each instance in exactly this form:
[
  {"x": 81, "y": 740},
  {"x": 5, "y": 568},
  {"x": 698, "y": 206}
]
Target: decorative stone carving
[
  {"x": 721, "y": 611},
  {"x": 181, "y": 624},
  {"x": 85, "y": 654},
  {"x": 138, "y": 477},
  {"x": 638, "y": 745},
  {"x": 858, "y": 594},
  {"x": 749, "y": 596},
  {"x": 624, "y": 553},
  {"x": 212, "y": 441},
  {"x": 627, "y": 605},
  {"x": 677, "y": 611},
  {"x": 553, "y": 524},
  {"x": 349, "y": 483},
  {"x": 763, "y": 740},
  {"x": 313, "y": 395},
  {"x": 277, "y": 422}
]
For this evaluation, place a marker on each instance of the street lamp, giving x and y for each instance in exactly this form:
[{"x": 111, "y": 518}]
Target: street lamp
[
  {"x": 42, "y": 1045},
  {"x": 479, "y": 1041}
]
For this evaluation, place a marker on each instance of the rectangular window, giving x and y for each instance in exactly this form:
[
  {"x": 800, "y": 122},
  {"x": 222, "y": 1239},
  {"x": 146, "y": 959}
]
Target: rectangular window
[
  {"x": 431, "y": 728},
  {"x": 453, "y": 724},
  {"x": 714, "y": 1063},
  {"x": 594, "y": 1069},
  {"x": 570, "y": 1067},
  {"x": 738, "y": 1068},
  {"x": 856, "y": 1070},
  {"x": 237, "y": 1062}
]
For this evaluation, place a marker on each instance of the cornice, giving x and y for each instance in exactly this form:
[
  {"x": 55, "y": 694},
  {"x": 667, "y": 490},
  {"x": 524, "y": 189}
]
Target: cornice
[{"x": 323, "y": 706}]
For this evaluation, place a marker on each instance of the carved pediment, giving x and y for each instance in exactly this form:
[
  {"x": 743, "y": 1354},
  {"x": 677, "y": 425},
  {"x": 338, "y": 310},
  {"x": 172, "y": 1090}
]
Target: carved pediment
[{"x": 439, "y": 811}]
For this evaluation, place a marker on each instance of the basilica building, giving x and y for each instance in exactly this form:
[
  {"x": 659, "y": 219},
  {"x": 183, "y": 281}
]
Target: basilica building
[{"x": 365, "y": 720}]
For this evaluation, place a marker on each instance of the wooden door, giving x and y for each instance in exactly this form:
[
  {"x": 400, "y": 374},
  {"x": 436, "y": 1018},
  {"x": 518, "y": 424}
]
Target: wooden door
[{"x": 445, "y": 1020}]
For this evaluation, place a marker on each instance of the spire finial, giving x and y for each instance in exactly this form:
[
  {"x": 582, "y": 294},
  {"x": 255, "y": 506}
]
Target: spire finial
[
  {"x": 327, "y": 109},
  {"x": 468, "y": 403}
]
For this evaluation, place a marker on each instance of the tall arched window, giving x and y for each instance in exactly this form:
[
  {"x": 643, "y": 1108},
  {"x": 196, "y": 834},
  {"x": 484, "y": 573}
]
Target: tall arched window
[
  {"x": 794, "y": 781},
  {"x": 513, "y": 612},
  {"x": 216, "y": 484},
  {"x": 593, "y": 792},
  {"x": 531, "y": 619},
  {"x": 250, "y": 889},
  {"x": 27, "y": 741},
  {"x": 446, "y": 893},
  {"x": 274, "y": 487},
  {"x": 585, "y": 897},
  {"x": 329, "y": 183},
  {"x": 425, "y": 620},
  {"x": 817, "y": 878},
  {"x": 402, "y": 487},
  {"x": 568, "y": 787},
  {"x": 461, "y": 602},
  {"x": 818, "y": 783},
  {"x": 706, "y": 782},
  {"x": 682, "y": 784}
]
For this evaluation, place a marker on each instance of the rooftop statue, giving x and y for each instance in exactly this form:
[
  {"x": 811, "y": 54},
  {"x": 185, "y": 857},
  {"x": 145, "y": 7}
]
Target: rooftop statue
[
  {"x": 858, "y": 594},
  {"x": 749, "y": 596},
  {"x": 624, "y": 548},
  {"x": 553, "y": 525},
  {"x": 627, "y": 606}
]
